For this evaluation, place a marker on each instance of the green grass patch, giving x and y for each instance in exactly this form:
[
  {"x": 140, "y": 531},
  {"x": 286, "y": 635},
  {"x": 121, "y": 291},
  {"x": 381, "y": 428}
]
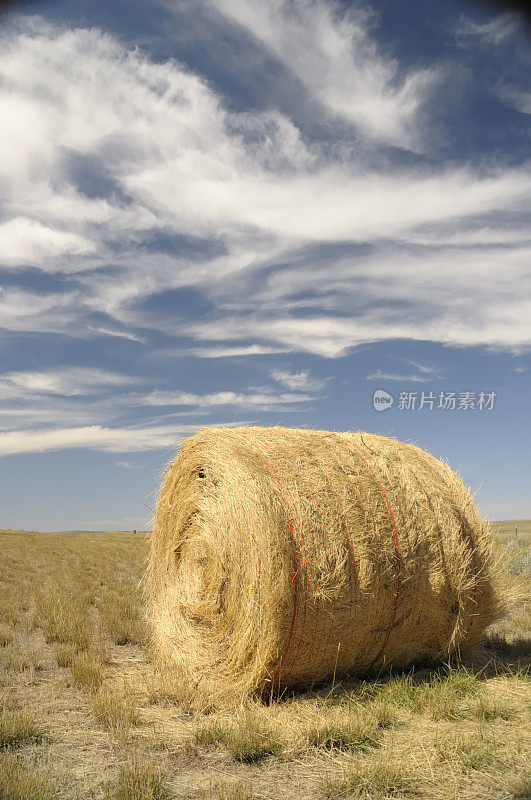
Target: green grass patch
[
  {"x": 354, "y": 732},
  {"x": 468, "y": 751},
  {"x": 248, "y": 738},
  {"x": 489, "y": 710},
  {"x": 440, "y": 696}
]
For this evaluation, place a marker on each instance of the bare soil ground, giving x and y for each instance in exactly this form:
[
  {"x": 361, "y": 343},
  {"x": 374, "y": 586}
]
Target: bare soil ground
[{"x": 84, "y": 713}]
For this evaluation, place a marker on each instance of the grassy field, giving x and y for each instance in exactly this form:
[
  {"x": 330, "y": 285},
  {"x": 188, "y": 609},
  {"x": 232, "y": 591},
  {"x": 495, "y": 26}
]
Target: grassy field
[
  {"x": 513, "y": 529},
  {"x": 84, "y": 713}
]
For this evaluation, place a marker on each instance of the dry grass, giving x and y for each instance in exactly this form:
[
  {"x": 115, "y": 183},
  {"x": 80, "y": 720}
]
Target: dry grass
[
  {"x": 248, "y": 737},
  {"x": 16, "y": 658},
  {"x": 139, "y": 781},
  {"x": 18, "y": 728},
  {"x": 115, "y": 710},
  {"x": 19, "y": 781},
  {"x": 86, "y": 670},
  {"x": 7, "y": 635},
  {"x": 381, "y": 779},
  {"x": 84, "y": 716},
  {"x": 222, "y": 791}
]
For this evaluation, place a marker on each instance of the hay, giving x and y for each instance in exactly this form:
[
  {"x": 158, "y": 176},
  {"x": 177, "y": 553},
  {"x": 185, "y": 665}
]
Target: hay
[{"x": 283, "y": 556}]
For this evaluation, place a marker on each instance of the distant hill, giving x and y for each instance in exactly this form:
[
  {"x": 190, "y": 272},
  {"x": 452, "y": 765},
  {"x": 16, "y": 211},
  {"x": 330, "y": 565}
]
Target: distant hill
[
  {"x": 511, "y": 528},
  {"x": 16, "y": 530},
  {"x": 80, "y": 531}
]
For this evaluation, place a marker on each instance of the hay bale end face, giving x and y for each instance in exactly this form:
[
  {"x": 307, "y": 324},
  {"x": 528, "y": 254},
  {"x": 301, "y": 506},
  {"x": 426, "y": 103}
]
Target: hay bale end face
[{"x": 281, "y": 556}]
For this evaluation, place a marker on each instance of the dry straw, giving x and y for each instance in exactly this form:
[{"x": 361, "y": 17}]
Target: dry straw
[{"x": 283, "y": 556}]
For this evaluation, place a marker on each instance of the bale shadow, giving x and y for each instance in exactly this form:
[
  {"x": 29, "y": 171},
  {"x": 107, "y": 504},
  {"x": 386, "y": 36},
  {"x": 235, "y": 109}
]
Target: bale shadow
[
  {"x": 496, "y": 656},
  {"x": 499, "y": 655}
]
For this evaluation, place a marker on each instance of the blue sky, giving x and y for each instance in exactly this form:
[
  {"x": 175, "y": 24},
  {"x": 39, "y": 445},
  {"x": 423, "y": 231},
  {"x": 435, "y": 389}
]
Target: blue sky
[{"x": 247, "y": 212}]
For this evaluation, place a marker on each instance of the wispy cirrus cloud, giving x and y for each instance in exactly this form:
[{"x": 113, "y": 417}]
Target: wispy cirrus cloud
[
  {"x": 81, "y": 408},
  {"x": 334, "y": 55},
  {"x": 470, "y": 296},
  {"x": 66, "y": 381},
  {"x": 233, "y": 352},
  {"x": 299, "y": 381},
  {"x": 201, "y": 197},
  {"x": 505, "y": 39},
  {"x": 428, "y": 369},
  {"x": 423, "y": 376},
  {"x": 26, "y": 310},
  {"x": 492, "y": 32},
  {"x": 132, "y": 337},
  {"x": 521, "y": 100},
  {"x": 95, "y": 437},
  {"x": 111, "y": 439},
  {"x": 263, "y": 399},
  {"x": 226, "y": 234}
]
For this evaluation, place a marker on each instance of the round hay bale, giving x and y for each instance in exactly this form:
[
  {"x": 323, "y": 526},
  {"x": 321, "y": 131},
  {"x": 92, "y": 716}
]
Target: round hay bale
[{"x": 283, "y": 556}]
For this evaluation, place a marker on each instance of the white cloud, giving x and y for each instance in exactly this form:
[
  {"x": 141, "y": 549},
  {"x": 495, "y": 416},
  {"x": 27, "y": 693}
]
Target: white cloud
[
  {"x": 185, "y": 164},
  {"x": 334, "y": 55},
  {"x": 493, "y": 32},
  {"x": 474, "y": 296},
  {"x": 482, "y": 236},
  {"x": 115, "y": 440},
  {"x": 232, "y": 352},
  {"x": 120, "y": 334},
  {"x": 299, "y": 381},
  {"x": 25, "y": 241},
  {"x": 393, "y": 376},
  {"x": 505, "y": 39},
  {"x": 520, "y": 100},
  {"x": 426, "y": 369},
  {"x": 330, "y": 204},
  {"x": 331, "y": 336},
  {"x": 98, "y": 437},
  {"x": 265, "y": 399},
  {"x": 26, "y": 310},
  {"x": 66, "y": 381}
]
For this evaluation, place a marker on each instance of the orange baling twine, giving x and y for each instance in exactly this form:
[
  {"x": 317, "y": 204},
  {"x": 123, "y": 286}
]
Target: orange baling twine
[
  {"x": 398, "y": 559},
  {"x": 299, "y": 554}
]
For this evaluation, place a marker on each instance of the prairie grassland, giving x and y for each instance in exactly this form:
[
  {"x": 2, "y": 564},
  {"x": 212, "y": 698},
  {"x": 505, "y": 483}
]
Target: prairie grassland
[{"x": 84, "y": 713}]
